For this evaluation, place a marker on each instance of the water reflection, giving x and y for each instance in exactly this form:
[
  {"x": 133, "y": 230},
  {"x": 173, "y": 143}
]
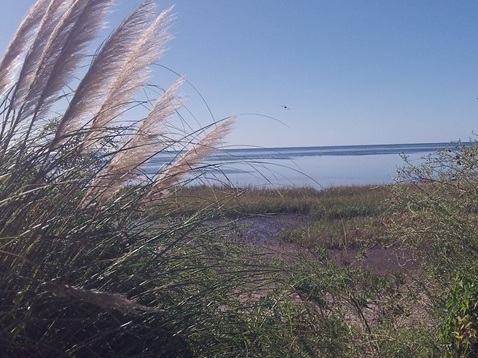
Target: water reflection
[{"x": 314, "y": 171}]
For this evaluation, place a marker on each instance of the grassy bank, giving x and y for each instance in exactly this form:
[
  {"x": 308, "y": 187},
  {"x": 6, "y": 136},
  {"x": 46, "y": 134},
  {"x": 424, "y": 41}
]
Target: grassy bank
[
  {"x": 426, "y": 308},
  {"x": 349, "y": 216}
]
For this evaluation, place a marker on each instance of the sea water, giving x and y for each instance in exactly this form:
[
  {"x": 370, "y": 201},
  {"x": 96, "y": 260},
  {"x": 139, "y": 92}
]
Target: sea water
[{"x": 317, "y": 167}]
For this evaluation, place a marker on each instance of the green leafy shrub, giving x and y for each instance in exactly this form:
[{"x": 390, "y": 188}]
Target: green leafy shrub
[
  {"x": 460, "y": 328},
  {"x": 435, "y": 216}
]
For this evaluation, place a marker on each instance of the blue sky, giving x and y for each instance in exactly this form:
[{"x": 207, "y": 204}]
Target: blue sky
[{"x": 352, "y": 72}]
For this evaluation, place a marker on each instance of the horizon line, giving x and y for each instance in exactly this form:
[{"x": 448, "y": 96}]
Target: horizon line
[{"x": 247, "y": 146}]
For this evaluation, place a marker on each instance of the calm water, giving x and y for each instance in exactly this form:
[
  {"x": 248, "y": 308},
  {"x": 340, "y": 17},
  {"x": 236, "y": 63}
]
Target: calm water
[{"x": 312, "y": 166}]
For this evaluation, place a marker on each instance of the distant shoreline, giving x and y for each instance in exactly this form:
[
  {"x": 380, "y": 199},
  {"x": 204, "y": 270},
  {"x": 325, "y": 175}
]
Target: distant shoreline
[
  {"x": 319, "y": 167},
  {"x": 438, "y": 144}
]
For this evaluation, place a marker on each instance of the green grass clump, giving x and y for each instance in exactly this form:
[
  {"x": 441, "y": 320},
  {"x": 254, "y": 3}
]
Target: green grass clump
[
  {"x": 338, "y": 233},
  {"x": 85, "y": 270},
  {"x": 335, "y": 217}
]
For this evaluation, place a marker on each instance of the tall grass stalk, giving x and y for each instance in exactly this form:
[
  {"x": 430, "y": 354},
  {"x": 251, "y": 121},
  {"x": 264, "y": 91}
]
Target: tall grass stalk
[{"x": 83, "y": 270}]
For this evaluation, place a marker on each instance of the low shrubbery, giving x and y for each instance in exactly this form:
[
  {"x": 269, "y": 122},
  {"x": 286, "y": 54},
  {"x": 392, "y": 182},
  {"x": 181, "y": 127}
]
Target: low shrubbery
[{"x": 436, "y": 217}]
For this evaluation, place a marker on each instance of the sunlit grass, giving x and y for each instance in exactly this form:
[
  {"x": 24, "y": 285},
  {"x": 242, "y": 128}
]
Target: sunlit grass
[{"x": 335, "y": 217}]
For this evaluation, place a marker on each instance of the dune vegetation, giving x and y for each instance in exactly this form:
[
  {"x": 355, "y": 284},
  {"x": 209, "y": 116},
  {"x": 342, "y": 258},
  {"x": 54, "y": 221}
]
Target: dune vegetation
[{"x": 98, "y": 259}]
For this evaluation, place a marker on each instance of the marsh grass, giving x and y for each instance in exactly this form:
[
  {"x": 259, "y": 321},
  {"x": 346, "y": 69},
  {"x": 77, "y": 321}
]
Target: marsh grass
[
  {"x": 333, "y": 203},
  {"x": 375, "y": 315},
  {"x": 336, "y": 217}
]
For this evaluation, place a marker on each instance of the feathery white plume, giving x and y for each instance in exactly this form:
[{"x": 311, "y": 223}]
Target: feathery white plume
[
  {"x": 134, "y": 74},
  {"x": 141, "y": 147},
  {"x": 63, "y": 53},
  {"x": 191, "y": 160},
  {"x": 105, "y": 300},
  {"x": 59, "y": 32},
  {"x": 110, "y": 60},
  {"x": 22, "y": 39},
  {"x": 33, "y": 60}
]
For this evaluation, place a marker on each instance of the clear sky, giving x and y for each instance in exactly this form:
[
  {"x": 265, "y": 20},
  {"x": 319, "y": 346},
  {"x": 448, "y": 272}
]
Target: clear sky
[{"x": 351, "y": 72}]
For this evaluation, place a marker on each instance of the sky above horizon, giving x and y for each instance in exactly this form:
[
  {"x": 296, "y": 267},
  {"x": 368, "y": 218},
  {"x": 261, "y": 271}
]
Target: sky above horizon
[{"x": 349, "y": 72}]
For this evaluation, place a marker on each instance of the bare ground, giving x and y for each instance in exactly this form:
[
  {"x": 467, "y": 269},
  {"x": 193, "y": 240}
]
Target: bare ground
[{"x": 265, "y": 231}]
